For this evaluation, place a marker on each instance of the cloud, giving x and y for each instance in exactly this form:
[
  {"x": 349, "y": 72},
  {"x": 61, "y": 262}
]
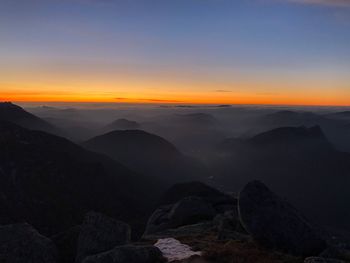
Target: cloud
[
  {"x": 149, "y": 99},
  {"x": 222, "y": 90},
  {"x": 158, "y": 100},
  {"x": 336, "y": 3}
]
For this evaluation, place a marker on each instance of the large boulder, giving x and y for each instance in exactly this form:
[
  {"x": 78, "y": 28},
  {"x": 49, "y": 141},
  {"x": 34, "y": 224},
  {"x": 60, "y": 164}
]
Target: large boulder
[
  {"x": 100, "y": 233},
  {"x": 128, "y": 254},
  {"x": 187, "y": 211},
  {"x": 21, "y": 243},
  {"x": 274, "y": 223},
  {"x": 228, "y": 226}
]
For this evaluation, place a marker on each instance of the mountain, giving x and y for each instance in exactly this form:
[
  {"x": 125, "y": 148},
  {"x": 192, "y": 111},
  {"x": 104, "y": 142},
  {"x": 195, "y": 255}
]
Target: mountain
[
  {"x": 122, "y": 124},
  {"x": 343, "y": 115},
  {"x": 51, "y": 183},
  {"x": 334, "y": 127},
  {"x": 300, "y": 162},
  {"x": 146, "y": 153},
  {"x": 16, "y": 114},
  {"x": 192, "y": 133},
  {"x": 292, "y": 118}
]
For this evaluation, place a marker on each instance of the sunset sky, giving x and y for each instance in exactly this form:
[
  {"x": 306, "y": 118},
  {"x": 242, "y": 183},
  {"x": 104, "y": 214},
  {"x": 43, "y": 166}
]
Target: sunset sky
[{"x": 294, "y": 52}]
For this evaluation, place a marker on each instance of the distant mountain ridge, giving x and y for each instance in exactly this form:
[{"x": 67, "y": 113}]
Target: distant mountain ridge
[
  {"x": 300, "y": 162},
  {"x": 146, "y": 153},
  {"x": 122, "y": 124}
]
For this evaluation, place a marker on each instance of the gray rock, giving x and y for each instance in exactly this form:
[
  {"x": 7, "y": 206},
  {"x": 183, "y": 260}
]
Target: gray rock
[
  {"x": 228, "y": 220},
  {"x": 274, "y": 223},
  {"x": 100, "y": 233},
  {"x": 128, "y": 254},
  {"x": 322, "y": 260},
  {"x": 21, "y": 243},
  {"x": 190, "y": 210}
]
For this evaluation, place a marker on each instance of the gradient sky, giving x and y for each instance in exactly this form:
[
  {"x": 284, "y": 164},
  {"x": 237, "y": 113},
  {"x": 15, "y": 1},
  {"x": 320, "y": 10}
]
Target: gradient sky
[{"x": 176, "y": 51}]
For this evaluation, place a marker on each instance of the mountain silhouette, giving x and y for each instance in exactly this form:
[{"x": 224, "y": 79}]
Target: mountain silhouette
[
  {"x": 298, "y": 161},
  {"x": 333, "y": 125},
  {"x": 16, "y": 114},
  {"x": 51, "y": 183},
  {"x": 122, "y": 124},
  {"x": 145, "y": 153}
]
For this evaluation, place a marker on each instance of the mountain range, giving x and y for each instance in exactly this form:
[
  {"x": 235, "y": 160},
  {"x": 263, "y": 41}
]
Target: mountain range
[
  {"x": 51, "y": 183},
  {"x": 298, "y": 161},
  {"x": 147, "y": 154}
]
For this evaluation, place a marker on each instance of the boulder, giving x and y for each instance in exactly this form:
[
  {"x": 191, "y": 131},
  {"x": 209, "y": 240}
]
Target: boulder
[
  {"x": 228, "y": 226},
  {"x": 274, "y": 223},
  {"x": 190, "y": 210},
  {"x": 174, "y": 251},
  {"x": 322, "y": 260},
  {"x": 21, "y": 243},
  {"x": 100, "y": 233},
  {"x": 128, "y": 254}
]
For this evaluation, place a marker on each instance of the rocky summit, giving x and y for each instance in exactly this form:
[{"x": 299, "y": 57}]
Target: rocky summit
[{"x": 273, "y": 222}]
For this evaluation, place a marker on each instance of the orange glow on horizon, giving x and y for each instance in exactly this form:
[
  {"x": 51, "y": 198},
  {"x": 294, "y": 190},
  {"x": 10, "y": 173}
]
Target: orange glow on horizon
[{"x": 200, "y": 98}]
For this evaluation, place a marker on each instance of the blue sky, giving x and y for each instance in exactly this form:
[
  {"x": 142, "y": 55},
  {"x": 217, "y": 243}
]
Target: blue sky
[{"x": 221, "y": 41}]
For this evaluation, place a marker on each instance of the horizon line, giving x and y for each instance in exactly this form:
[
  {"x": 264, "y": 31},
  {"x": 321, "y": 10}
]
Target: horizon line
[{"x": 180, "y": 103}]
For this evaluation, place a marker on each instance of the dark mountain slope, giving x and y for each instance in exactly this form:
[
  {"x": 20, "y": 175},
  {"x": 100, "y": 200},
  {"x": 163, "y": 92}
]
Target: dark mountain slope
[
  {"x": 51, "y": 183},
  {"x": 13, "y": 113},
  {"x": 340, "y": 115},
  {"x": 299, "y": 162},
  {"x": 334, "y": 128},
  {"x": 146, "y": 153}
]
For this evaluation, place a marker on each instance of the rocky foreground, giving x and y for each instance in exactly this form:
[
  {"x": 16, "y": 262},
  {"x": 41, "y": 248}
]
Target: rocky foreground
[{"x": 193, "y": 223}]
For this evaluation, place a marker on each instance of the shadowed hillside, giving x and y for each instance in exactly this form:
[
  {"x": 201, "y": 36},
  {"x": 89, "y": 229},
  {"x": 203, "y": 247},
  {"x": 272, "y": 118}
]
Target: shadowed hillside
[
  {"x": 13, "y": 113},
  {"x": 299, "y": 162},
  {"x": 51, "y": 183},
  {"x": 148, "y": 154}
]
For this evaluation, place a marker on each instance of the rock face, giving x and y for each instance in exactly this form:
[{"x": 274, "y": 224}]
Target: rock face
[
  {"x": 128, "y": 254},
  {"x": 187, "y": 211},
  {"x": 174, "y": 250},
  {"x": 100, "y": 233},
  {"x": 274, "y": 223},
  {"x": 21, "y": 243}
]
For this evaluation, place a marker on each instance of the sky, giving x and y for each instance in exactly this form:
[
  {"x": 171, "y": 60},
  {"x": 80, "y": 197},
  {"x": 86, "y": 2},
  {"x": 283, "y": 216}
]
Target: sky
[{"x": 294, "y": 52}]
